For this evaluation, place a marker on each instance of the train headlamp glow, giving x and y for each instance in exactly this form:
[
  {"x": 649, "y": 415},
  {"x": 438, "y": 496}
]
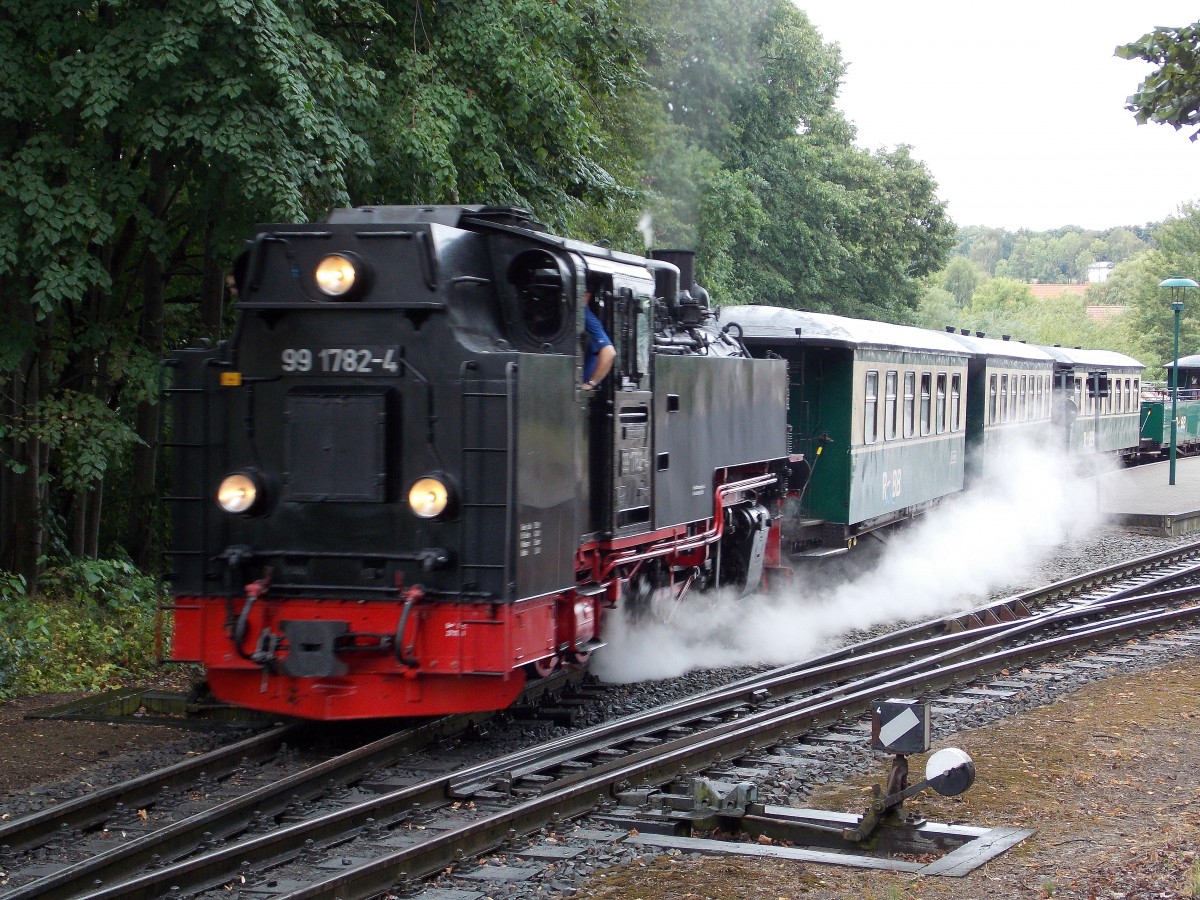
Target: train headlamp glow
[
  {"x": 429, "y": 497},
  {"x": 238, "y": 493},
  {"x": 336, "y": 275}
]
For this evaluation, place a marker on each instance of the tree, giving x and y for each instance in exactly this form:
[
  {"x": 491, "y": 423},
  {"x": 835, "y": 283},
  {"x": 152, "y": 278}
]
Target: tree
[
  {"x": 137, "y": 143},
  {"x": 960, "y": 278},
  {"x": 522, "y": 102},
  {"x": 1170, "y": 94},
  {"x": 1178, "y": 253},
  {"x": 937, "y": 309},
  {"x": 815, "y": 221}
]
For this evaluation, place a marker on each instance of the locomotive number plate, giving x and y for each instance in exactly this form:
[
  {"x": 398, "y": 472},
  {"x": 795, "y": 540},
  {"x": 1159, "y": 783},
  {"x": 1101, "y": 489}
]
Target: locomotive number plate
[{"x": 341, "y": 360}]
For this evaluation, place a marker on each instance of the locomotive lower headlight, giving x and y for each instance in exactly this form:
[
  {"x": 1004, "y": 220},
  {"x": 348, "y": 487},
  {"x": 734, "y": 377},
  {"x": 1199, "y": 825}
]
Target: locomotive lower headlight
[
  {"x": 336, "y": 275},
  {"x": 429, "y": 497},
  {"x": 238, "y": 493}
]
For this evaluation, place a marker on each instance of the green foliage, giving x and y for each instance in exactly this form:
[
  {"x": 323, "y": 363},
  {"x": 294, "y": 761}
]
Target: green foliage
[
  {"x": 80, "y": 430},
  {"x": 519, "y": 102},
  {"x": 92, "y": 626},
  {"x": 960, "y": 278},
  {"x": 937, "y": 309},
  {"x": 1060, "y": 256},
  {"x": 1003, "y": 306},
  {"x": 1170, "y": 94},
  {"x": 1150, "y": 315},
  {"x": 797, "y": 216}
]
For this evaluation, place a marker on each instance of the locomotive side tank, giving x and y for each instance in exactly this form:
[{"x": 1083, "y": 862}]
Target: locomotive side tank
[
  {"x": 392, "y": 496},
  {"x": 877, "y": 421}
]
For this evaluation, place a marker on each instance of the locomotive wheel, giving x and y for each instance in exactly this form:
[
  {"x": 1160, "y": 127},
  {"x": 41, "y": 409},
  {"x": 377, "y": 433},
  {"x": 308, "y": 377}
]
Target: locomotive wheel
[
  {"x": 543, "y": 668},
  {"x": 650, "y": 597},
  {"x": 579, "y": 660}
]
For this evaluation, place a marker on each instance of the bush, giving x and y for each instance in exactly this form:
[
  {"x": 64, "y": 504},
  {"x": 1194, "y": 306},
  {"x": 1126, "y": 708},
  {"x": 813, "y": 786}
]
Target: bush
[{"x": 92, "y": 626}]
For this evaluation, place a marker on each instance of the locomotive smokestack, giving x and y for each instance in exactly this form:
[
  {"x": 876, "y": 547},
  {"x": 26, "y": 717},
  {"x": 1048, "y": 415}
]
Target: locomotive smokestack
[
  {"x": 684, "y": 260},
  {"x": 691, "y": 304}
]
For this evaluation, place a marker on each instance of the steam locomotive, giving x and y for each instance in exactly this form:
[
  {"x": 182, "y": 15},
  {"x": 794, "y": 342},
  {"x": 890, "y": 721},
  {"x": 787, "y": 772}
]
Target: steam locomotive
[{"x": 391, "y": 495}]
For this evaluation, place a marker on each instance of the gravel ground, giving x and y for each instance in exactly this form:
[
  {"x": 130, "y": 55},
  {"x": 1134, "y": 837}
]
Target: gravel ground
[{"x": 47, "y": 760}]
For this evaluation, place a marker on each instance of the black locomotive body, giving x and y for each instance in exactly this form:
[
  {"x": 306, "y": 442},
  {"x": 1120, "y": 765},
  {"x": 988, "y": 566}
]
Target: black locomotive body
[{"x": 392, "y": 496}]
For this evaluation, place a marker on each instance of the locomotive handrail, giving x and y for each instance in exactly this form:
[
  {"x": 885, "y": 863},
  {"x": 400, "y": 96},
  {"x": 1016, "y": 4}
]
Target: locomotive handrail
[{"x": 691, "y": 542}]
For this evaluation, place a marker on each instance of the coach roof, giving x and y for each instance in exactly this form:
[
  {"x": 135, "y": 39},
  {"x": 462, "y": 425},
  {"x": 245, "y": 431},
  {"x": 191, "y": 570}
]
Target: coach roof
[
  {"x": 771, "y": 325},
  {"x": 1074, "y": 356},
  {"x": 999, "y": 349}
]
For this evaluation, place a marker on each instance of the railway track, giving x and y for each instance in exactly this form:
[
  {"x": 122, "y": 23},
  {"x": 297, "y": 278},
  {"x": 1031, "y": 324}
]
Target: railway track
[{"x": 364, "y": 845}]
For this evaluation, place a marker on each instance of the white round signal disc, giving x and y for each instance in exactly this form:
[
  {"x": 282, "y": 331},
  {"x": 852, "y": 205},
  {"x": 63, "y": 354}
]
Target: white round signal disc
[{"x": 950, "y": 771}]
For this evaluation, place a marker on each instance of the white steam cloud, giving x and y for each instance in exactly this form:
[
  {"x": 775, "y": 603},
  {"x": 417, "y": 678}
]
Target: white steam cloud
[
  {"x": 984, "y": 540},
  {"x": 646, "y": 226}
]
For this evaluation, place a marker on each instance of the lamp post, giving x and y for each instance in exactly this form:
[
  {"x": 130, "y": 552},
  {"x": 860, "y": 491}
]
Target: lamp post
[{"x": 1179, "y": 284}]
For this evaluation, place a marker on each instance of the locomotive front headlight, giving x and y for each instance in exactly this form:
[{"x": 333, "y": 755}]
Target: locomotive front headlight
[
  {"x": 239, "y": 493},
  {"x": 336, "y": 275},
  {"x": 430, "y": 497}
]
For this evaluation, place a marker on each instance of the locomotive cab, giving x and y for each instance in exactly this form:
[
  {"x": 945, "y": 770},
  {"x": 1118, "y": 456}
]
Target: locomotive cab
[{"x": 392, "y": 496}]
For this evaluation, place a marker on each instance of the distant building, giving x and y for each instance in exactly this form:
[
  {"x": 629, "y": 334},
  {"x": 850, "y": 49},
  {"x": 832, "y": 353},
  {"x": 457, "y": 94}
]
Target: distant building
[{"x": 1099, "y": 271}]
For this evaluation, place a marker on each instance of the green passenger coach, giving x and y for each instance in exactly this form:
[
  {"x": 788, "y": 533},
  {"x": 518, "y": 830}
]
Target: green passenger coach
[
  {"x": 876, "y": 420},
  {"x": 1009, "y": 398},
  {"x": 1156, "y": 411},
  {"x": 1097, "y": 400}
]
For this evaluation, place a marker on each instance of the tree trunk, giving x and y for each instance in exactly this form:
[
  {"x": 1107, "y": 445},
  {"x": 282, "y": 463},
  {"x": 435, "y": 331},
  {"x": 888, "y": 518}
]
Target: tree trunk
[
  {"x": 212, "y": 288},
  {"x": 139, "y": 539},
  {"x": 24, "y": 547},
  {"x": 92, "y": 535}
]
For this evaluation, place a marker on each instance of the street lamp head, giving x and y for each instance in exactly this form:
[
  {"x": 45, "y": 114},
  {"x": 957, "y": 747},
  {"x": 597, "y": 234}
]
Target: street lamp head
[{"x": 1178, "y": 281}]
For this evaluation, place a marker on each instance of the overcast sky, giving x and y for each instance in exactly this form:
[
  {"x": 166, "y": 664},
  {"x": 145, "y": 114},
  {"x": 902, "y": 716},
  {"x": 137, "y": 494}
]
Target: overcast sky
[{"x": 1017, "y": 107}]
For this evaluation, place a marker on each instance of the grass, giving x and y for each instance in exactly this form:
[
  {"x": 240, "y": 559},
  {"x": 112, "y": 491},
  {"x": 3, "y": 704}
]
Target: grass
[{"x": 92, "y": 625}]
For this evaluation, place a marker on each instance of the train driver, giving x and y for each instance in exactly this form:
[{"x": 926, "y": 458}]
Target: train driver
[{"x": 598, "y": 352}]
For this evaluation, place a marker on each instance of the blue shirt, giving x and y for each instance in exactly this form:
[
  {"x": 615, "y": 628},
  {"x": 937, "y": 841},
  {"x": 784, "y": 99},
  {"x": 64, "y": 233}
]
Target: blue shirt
[{"x": 597, "y": 341}]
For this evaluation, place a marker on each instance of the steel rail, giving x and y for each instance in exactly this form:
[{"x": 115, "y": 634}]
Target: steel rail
[
  {"x": 234, "y": 815},
  {"x": 941, "y": 668},
  {"x": 845, "y": 663},
  {"x": 96, "y": 807},
  {"x": 576, "y": 795}
]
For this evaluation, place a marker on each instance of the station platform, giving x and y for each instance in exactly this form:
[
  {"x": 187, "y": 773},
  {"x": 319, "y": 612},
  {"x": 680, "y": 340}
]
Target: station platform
[{"x": 1141, "y": 498}]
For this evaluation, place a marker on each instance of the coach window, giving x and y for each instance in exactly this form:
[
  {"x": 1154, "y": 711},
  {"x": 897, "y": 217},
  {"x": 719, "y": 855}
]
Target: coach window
[
  {"x": 1021, "y": 404},
  {"x": 1079, "y": 393},
  {"x": 992, "y": 399},
  {"x": 889, "y": 407},
  {"x": 1003, "y": 398},
  {"x": 1039, "y": 403},
  {"x": 940, "y": 411},
  {"x": 926, "y": 390},
  {"x": 1128, "y": 395},
  {"x": 872, "y": 404},
  {"x": 910, "y": 408},
  {"x": 955, "y": 400}
]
